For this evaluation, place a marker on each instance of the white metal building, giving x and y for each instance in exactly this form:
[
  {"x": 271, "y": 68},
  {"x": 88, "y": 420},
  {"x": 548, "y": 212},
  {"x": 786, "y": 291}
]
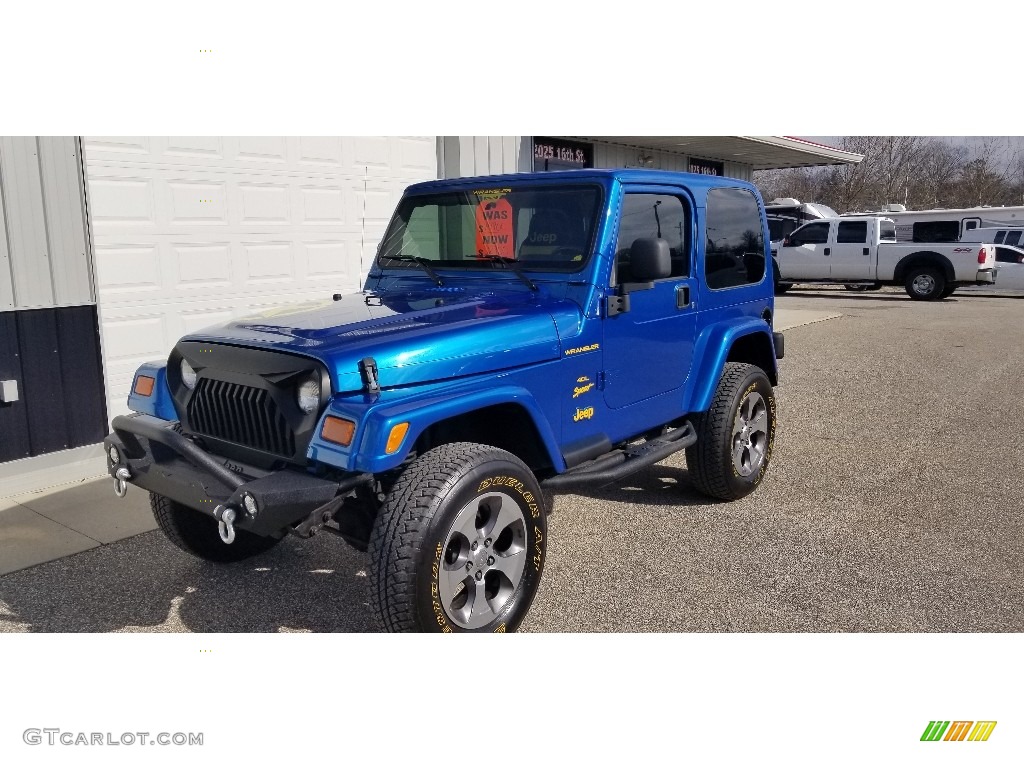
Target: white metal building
[{"x": 112, "y": 248}]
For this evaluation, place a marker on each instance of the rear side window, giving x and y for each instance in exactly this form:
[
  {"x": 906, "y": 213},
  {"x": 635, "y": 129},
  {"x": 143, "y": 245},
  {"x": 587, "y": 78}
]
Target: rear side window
[
  {"x": 887, "y": 231},
  {"x": 1012, "y": 238},
  {"x": 810, "y": 234},
  {"x": 734, "y": 253},
  {"x": 936, "y": 231},
  {"x": 854, "y": 232},
  {"x": 1000, "y": 236}
]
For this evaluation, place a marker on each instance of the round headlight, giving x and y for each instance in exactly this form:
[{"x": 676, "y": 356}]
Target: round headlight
[
  {"x": 188, "y": 375},
  {"x": 309, "y": 395}
]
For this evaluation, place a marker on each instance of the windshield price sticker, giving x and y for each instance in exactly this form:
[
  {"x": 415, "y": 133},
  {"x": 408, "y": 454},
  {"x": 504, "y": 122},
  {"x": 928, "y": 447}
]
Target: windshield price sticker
[{"x": 495, "y": 233}]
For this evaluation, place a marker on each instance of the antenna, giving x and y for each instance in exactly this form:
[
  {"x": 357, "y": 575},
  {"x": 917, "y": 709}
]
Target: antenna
[{"x": 362, "y": 225}]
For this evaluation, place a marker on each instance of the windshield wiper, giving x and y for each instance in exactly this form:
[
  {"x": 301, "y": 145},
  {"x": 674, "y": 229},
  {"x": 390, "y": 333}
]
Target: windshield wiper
[
  {"x": 425, "y": 263},
  {"x": 509, "y": 264}
]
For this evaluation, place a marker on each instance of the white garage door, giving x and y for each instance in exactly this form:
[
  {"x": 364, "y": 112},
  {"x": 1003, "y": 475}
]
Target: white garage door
[{"x": 188, "y": 232}]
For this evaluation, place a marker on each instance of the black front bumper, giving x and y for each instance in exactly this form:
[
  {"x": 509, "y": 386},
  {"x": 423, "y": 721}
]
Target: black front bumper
[{"x": 162, "y": 460}]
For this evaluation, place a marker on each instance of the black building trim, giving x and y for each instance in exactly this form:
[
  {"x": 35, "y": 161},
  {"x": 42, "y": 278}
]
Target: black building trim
[{"x": 54, "y": 355}]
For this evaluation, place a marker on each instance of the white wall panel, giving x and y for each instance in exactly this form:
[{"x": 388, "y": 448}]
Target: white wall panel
[
  {"x": 6, "y": 275},
  {"x": 191, "y": 231},
  {"x": 484, "y": 155},
  {"x": 26, "y": 222},
  {"x": 60, "y": 169}
]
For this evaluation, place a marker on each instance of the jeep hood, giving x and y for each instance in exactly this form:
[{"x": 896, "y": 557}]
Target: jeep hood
[{"x": 415, "y": 337}]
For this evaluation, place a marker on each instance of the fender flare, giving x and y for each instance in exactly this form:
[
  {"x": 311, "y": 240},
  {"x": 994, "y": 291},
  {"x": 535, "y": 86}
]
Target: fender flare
[
  {"x": 924, "y": 258},
  {"x": 713, "y": 347},
  {"x": 377, "y": 420}
]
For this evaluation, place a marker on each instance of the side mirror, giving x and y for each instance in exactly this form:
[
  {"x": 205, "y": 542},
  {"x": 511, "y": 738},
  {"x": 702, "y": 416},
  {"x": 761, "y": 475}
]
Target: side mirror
[{"x": 650, "y": 259}]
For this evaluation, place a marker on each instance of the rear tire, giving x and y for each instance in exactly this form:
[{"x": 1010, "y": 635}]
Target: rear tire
[
  {"x": 196, "y": 533},
  {"x": 735, "y": 436},
  {"x": 948, "y": 291},
  {"x": 925, "y": 284}
]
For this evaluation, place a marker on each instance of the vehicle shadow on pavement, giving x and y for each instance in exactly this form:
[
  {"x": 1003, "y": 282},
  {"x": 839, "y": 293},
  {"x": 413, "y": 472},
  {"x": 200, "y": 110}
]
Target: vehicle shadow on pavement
[
  {"x": 854, "y": 296},
  {"x": 145, "y": 584},
  {"x": 660, "y": 485}
]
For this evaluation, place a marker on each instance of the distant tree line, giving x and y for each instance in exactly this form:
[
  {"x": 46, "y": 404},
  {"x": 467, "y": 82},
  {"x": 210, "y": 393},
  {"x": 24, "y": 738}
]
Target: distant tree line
[{"x": 917, "y": 171}]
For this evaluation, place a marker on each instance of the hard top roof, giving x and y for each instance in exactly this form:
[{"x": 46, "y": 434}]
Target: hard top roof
[{"x": 601, "y": 175}]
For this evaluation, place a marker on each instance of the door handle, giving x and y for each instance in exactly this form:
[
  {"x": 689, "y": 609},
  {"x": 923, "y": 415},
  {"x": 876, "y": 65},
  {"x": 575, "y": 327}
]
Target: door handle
[
  {"x": 828, "y": 251},
  {"x": 682, "y": 296},
  {"x": 867, "y": 252}
]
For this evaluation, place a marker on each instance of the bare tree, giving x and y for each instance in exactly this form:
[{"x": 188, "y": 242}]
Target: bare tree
[
  {"x": 919, "y": 171},
  {"x": 933, "y": 184}
]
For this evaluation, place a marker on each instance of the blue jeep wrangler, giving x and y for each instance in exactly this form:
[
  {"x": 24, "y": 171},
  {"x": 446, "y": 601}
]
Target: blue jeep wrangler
[{"x": 517, "y": 336}]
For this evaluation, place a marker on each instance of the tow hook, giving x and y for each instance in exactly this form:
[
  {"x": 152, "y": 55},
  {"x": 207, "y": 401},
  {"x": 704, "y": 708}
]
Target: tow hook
[
  {"x": 121, "y": 478},
  {"x": 225, "y": 523}
]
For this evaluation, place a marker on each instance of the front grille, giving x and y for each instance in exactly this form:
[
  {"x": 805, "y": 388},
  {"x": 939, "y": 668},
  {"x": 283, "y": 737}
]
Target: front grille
[{"x": 240, "y": 414}]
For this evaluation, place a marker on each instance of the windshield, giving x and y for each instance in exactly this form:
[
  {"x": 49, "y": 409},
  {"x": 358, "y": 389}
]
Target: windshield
[{"x": 542, "y": 228}]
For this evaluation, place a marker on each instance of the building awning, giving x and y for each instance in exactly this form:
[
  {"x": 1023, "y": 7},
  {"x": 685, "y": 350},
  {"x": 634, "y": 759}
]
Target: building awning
[{"x": 760, "y": 152}]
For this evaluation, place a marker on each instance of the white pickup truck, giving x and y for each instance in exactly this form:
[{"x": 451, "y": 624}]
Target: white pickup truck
[{"x": 862, "y": 253}]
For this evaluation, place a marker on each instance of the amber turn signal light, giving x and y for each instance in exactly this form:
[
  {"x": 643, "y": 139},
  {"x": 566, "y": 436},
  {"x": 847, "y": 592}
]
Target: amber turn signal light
[
  {"x": 337, "y": 430},
  {"x": 396, "y": 436},
  {"x": 144, "y": 385}
]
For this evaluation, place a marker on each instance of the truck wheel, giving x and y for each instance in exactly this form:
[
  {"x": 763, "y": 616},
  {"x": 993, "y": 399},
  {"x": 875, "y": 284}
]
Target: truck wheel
[
  {"x": 925, "y": 284},
  {"x": 196, "y": 533},
  {"x": 948, "y": 291},
  {"x": 735, "y": 435},
  {"x": 460, "y": 543}
]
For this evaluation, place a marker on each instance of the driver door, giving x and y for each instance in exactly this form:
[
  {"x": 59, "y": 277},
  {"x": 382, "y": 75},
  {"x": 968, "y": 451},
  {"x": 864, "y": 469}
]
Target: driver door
[
  {"x": 648, "y": 348},
  {"x": 808, "y": 255}
]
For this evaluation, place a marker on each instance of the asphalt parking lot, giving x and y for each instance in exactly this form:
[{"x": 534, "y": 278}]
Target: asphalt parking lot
[{"x": 893, "y": 504}]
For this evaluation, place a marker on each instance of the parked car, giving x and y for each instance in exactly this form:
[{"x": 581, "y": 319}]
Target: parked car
[
  {"x": 1009, "y": 269},
  {"x": 516, "y": 336},
  {"x": 862, "y": 251}
]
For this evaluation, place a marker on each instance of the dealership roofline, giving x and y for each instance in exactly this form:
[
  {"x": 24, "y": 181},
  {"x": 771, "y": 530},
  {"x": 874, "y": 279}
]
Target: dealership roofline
[{"x": 759, "y": 152}]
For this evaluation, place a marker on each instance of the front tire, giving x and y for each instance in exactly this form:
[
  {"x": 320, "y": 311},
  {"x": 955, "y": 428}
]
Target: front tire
[
  {"x": 196, "y": 533},
  {"x": 460, "y": 543},
  {"x": 948, "y": 291},
  {"x": 735, "y": 436},
  {"x": 925, "y": 284}
]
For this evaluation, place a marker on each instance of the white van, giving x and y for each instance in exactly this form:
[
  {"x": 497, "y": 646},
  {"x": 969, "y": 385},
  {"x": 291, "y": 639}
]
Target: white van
[{"x": 999, "y": 235}]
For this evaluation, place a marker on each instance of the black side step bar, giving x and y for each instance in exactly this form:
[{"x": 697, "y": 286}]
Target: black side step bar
[{"x": 621, "y": 462}]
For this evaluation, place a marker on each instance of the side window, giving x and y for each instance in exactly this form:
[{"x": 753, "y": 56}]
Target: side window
[
  {"x": 1012, "y": 238},
  {"x": 734, "y": 252},
  {"x": 1000, "y": 236},
  {"x": 650, "y": 215},
  {"x": 1008, "y": 256},
  {"x": 810, "y": 234},
  {"x": 853, "y": 232},
  {"x": 936, "y": 231},
  {"x": 887, "y": 231}
]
